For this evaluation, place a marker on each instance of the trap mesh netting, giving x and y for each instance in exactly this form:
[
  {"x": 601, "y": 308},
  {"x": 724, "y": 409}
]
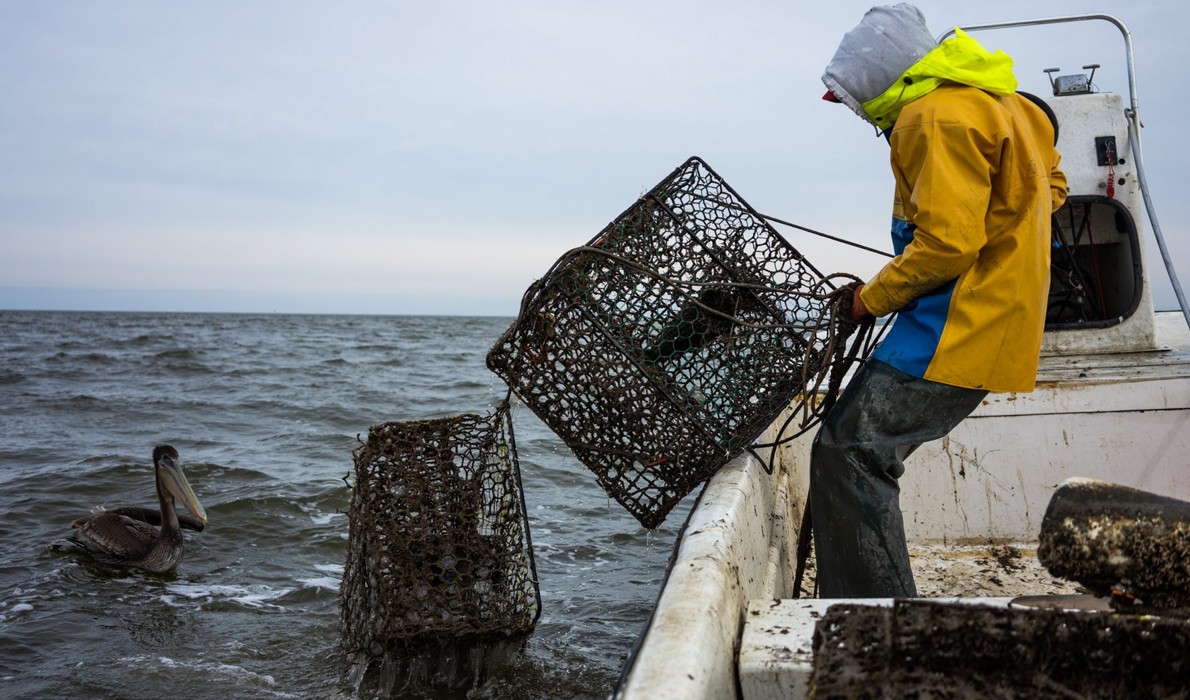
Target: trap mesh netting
[
  {"x": 920, "y": 649},
  {"x": 665, "y": 346},
  {"x": 438, "y": 544}
]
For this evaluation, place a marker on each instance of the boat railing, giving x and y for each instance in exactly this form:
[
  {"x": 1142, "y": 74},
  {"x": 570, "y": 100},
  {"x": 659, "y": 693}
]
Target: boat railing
[{"x": 1132, "y": 113}]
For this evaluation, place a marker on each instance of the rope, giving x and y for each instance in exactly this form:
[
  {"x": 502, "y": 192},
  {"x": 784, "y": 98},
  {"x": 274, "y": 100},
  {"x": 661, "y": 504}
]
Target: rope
[
  {"x": 843, "y": 356},
  {"x": 681, "y": 286},
  {"x": 790, "y": 224},
  {"x": 848, "y": 342},
  {"x": 780, "y": 318},
  {"x": 835, "y": 324},
  {"x": 827, "y": 236}
]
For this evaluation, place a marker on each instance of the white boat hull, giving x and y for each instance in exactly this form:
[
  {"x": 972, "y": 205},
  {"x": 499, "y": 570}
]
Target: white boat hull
[
  {"x": 1118, "y": 417},
  {"x": 1112, "y": 403}
]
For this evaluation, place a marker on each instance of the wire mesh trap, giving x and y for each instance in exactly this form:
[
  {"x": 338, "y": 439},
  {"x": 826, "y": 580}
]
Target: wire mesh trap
[
  {"x": 666, "y": 345},
  {"x": 918, "y": 649},
  {"x": 438, "y": 541}
]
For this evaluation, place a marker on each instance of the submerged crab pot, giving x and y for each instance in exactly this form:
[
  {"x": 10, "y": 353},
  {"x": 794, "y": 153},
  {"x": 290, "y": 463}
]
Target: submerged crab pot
[
  {"x": 662, "y": 348},
  {"x": 438, "y": 545}
]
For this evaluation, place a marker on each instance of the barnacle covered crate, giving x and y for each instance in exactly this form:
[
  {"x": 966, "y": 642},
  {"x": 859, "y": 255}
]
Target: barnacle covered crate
[
  {"x": 930, "y": 649},
  {"x": 438, "y": 542},
  {"x": 664, "y": 347}
]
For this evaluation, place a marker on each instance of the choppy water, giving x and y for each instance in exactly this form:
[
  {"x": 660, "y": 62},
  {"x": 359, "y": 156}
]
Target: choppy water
[{"x": 265, "y": 410}]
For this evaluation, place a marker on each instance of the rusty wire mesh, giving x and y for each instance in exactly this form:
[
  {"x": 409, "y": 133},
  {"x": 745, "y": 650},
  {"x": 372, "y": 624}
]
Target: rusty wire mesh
[
  {"x": 665, "y": 346},
  {"x": 438, "y": 542},
  {"x": 922, "y": 649}
]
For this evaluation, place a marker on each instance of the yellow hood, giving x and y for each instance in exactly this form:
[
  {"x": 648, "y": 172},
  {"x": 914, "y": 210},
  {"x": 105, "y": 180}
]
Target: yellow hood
[{"x": 959, "y": 59}]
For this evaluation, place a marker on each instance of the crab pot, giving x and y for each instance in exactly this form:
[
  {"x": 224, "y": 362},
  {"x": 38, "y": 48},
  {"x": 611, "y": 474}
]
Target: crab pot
[
  {"x": 1112, "y": 538},
  {"x": 931, "y": 650},
  {"x": 438, "y": 543},
  {"x": 662, "y": 348}
]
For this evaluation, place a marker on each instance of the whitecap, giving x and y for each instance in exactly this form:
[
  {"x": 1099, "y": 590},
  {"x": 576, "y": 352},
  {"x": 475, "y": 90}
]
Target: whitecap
[
  {"x": 325, "y": 583},
  {"x": 216, "y": 669},
  {"x": 325, "y": 518},
  {"x": 251, "y": 596}
]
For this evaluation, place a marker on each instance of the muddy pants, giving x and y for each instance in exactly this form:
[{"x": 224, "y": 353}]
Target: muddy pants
[{"x": 880, "y": 418}]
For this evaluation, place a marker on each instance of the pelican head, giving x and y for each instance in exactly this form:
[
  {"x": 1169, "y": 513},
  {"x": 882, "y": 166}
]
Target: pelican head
[{"x": 171, "y": 478}]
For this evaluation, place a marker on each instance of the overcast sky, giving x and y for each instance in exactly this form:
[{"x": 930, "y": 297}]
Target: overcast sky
[{"x": 426, "y": 158}]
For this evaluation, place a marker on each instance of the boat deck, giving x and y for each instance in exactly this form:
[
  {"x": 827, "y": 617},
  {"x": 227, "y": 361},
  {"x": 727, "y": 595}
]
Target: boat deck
[
  {"x": 1075, "y": 392},
  {"x": 1172, "y": 355},
  {"x": 776, "y": 653},
  {"x": 727, "y": 623}
]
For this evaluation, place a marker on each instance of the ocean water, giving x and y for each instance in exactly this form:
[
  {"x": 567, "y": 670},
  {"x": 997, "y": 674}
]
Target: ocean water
[{"x": 266, "y": 411}]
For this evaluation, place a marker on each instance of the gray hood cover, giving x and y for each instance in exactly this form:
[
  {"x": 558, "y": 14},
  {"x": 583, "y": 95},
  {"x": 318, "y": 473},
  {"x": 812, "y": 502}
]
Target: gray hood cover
[{"x": 885, "y": 44}]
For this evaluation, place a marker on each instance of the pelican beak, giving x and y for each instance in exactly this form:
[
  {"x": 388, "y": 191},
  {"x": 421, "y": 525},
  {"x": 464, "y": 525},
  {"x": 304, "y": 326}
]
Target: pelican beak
[{"x": 175, "y": 482}]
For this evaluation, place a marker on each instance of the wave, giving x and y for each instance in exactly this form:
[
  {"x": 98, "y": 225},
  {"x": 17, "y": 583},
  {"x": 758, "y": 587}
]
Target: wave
[
  {"x": 203, "y": 671},
  {"x": 318, "y": 584},
  {"x": 71, "y": 358},
  {"x": 265, "y": 411},
  {"x": 83, "y": 399},
  {"x": 177, "y": 354},
  {"x": 217, "y": 596}
]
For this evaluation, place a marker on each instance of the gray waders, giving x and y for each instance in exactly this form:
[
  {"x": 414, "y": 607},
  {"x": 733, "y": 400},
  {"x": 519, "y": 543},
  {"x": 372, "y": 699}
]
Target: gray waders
[{"x": 879, "y": 420}]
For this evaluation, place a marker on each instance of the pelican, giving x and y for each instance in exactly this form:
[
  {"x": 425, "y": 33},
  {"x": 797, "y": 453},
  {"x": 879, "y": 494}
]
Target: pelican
[{"x": 129, "y": 535}]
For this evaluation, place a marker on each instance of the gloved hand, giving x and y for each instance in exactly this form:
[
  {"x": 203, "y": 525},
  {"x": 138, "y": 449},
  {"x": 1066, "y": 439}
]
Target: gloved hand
[{"x": 859, "y": 312}]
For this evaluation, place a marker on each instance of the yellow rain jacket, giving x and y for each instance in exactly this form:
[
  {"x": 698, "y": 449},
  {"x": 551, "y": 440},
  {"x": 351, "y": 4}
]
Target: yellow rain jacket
[{"x": 977, "y": 180}]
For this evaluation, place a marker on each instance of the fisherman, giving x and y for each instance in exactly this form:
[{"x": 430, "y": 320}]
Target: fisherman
[{"x": 976, "y": 182}]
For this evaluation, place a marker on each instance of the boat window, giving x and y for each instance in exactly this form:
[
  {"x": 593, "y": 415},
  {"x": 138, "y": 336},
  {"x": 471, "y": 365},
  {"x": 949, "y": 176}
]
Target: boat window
[{"x": 1095, "y": 267}]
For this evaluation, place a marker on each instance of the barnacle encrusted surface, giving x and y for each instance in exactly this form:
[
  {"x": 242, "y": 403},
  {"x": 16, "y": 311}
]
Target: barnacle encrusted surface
[
  {"x": 438, "y": 545},
  {"x": 922, "y": 649},
  {"x": 664, "y": 347},
  {"x": 1111, "y": 537}
]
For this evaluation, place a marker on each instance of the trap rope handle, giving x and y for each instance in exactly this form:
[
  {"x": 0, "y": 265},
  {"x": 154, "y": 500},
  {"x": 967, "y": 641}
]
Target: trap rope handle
[
  {"x": 848, "y": 342},
  {"x": 681, "y": 286},
  {"x": 835, "y": 324}
]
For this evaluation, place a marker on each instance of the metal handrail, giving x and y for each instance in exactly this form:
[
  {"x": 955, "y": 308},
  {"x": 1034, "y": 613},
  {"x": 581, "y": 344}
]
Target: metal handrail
[{"x": 1133, "y": 115}]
